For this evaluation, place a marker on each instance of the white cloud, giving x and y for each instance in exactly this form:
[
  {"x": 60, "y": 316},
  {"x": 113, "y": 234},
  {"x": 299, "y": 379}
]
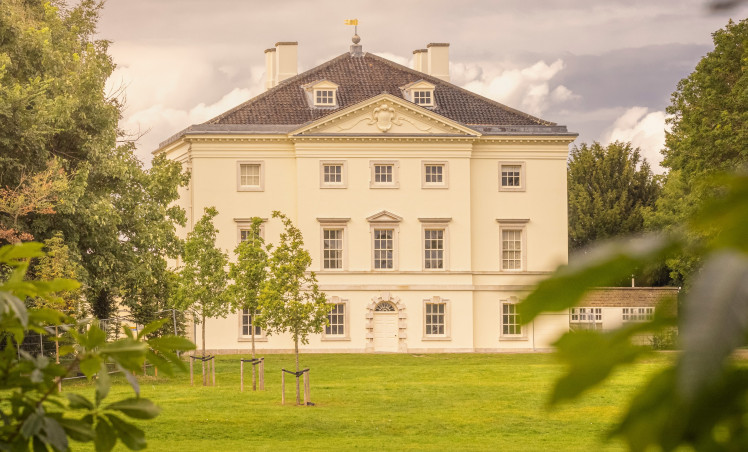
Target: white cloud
[
  {"x": 161, "y": 121},
  {"x": 529, "y": 89},
  {"x": 644, "y": 130}
]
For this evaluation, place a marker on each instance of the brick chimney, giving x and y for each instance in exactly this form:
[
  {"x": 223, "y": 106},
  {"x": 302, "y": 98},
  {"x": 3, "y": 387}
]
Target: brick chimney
[
  {"x": 280, "y": 63},
  {"x": 438, "y": 60}
]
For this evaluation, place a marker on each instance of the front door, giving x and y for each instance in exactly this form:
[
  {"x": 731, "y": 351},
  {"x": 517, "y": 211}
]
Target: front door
[{"x": 385, "y": 332}]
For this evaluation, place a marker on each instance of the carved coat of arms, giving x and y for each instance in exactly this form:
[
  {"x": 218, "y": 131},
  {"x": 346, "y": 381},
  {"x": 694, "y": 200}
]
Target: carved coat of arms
[{"x": 384, "y": 117}]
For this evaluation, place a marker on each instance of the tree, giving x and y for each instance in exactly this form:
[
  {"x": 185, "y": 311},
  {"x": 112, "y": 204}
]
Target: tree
[
  {"x": 202, "y": 279},
  {"x": 34, "y": 194},
  {"x": 115, "y": 217},
  {"x": 609, "y": 189},
  {"x": 699, "y": 400},
  {"x": 58, "y": 263},
  {"x": 249, "y": 274},
  {"x": 290, "y": 300},
  {"x": 35, "y": 415},
  {"x": 709, "y": 135}
]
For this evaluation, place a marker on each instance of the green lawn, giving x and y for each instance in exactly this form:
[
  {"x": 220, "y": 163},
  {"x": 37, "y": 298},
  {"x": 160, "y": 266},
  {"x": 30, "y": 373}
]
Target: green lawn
[{"x": 385, "y": 402}]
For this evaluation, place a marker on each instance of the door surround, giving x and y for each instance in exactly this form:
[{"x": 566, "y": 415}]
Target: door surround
[{"x": 402, "y": 319}]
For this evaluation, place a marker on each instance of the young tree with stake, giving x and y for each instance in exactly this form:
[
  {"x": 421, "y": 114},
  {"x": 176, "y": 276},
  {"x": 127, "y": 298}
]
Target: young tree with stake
[
  {"x": 203, "y": 279},
  {"x": 290, "y": 300},
  {"x": 249, "y": 273}
]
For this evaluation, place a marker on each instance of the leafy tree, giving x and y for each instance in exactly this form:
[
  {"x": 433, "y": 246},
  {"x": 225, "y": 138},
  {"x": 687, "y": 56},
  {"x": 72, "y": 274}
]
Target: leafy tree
[
  {"x": 35, "y": 194},
  {"x": 58, "y": 263},
  {"x": 35, "y": 415},
  {"x": 709, "y": 135},
  {"x": 609, "y": 188},
  {"x": 249, "y": 274},
  {"x": 290, "y": 300},
  {"x": 699, "y": 400},
  {"x": 202, "y": 279},
  {"x": 116, "y": 217}
]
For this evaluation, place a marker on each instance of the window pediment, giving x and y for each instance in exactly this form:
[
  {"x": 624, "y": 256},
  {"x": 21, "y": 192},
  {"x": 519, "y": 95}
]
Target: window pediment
[{"x": 384, "y": 217}]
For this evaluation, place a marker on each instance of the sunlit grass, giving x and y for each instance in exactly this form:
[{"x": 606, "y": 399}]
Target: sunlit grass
[{"x": 385, "y": 402}]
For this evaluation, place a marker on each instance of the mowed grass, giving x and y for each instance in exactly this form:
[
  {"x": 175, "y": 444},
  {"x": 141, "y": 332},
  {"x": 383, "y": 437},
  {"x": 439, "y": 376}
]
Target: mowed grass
[{"x": 438, "y": 402}]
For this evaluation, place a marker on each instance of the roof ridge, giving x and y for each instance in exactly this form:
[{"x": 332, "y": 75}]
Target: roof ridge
[
  {"x": 452, "y": 85},
  {"x": 270, "y": 91}
]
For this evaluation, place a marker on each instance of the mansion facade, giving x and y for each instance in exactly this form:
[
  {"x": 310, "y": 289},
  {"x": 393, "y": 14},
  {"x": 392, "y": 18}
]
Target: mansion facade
[{"x": 428, "y": 210}]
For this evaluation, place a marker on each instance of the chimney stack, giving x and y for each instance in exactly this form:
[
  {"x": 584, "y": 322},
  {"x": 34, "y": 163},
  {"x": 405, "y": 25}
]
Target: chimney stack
[
  {"x": 438, "y": 60},
  {"x": 269, "y": 68},
  {"x": 280, "y": 63},
  {"x": 420, "y": 60}
]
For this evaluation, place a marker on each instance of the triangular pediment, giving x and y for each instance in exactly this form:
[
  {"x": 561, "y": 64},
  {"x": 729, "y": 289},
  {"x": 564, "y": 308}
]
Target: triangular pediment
[
  {"x": 385, "y": 114},
  {"x": 384, "y": 217}
]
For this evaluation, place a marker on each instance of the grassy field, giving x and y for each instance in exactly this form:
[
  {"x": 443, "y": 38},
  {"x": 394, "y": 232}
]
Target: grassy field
[{"x": 385, "y": 402}]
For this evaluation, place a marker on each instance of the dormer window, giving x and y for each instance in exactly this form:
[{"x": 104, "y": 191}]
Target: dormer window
[
  {"x": 321, "y": 94},
  {"x": 420, "y": 93},
  {"x": 324, "y": 97},
  {"x": 423, "y": 98}
]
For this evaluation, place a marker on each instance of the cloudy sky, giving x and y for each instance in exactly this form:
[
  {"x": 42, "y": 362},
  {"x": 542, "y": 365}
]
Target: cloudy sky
[{"x": 605, "y": 69}]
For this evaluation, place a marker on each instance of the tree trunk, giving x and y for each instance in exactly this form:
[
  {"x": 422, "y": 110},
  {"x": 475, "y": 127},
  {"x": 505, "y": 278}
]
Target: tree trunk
[
  {"x": 252, "y": 327},
  {"x": 296, "y": 349},
  {"x": 205, "y": 377},
  {"x": 203, "y": 338}
]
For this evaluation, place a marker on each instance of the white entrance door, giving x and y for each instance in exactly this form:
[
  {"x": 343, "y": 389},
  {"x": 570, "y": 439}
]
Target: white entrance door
[{"x": 385, "y": 332}]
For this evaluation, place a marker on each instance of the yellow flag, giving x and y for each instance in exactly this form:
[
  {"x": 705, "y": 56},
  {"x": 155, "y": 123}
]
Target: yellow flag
[{"x": 351, "y": 21}]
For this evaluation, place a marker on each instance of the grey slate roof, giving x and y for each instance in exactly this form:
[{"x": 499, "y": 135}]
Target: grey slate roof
[
  {"x": 285, "y": 107},
  {"x": 363, "y": 77}
]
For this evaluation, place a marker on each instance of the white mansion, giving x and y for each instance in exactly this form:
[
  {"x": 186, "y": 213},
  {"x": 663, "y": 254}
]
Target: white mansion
[{"x": 429, "y": 211}]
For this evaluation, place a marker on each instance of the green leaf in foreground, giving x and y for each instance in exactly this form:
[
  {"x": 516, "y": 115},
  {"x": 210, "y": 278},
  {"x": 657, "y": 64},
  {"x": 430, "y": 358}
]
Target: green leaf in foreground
[{"x": 136, "y": 408}]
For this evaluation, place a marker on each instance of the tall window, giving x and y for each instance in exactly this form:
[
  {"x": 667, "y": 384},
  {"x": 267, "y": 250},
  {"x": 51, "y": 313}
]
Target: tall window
[
  {"x": 247, "y": 324},
  {"x": 250, "y": 176},
  {"x": 336, "y": 321},
  {"x": 332, "y": 248},
  {"x": 384, "y": 248},
  {"x": 511, "y": 176},
  {"x": 586, "y": 319},
  {"x": 637, "y": 314},
  {"x": 511, "y": 249},
  {"x": 423, "y": 98},
  {"x": 324, "y": 97},
  {"x": 433, "y": 248},
  {"x": 435, "y": 319},
  {"x": 510, "y": 322}
]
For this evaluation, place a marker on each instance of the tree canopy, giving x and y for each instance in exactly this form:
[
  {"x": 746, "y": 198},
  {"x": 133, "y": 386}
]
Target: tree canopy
[
  {"x": 290, "y": 300},
  {"x": 114, "y": 216},
  {"x": 709, "y": 119},
  {"x": 248, "y": 274},
  {"x": 609, "y": 188},
  {"x": 202, "y": 280}
]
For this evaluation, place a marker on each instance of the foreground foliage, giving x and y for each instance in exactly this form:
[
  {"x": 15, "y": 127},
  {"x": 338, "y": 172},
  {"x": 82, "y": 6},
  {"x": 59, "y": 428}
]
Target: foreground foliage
[
  {"x": 34, "y": 415},
  {"x": 700, "y": 399}
]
